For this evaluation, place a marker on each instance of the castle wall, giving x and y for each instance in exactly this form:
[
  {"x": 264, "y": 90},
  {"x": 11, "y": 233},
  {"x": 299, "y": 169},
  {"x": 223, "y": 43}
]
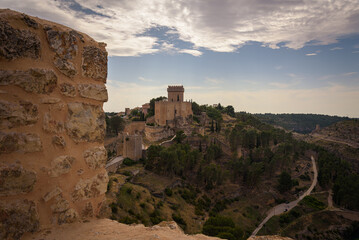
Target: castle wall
[
  {"x": 132, "y": 147},
  {"x": 52, "y": 125},
  {"x": 167, "y": 111},
  {"x": 135, "y": 127}
]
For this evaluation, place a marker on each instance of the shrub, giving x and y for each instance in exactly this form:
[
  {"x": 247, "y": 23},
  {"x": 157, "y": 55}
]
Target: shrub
[
  {"x": 128, "y": 162},
  {"x": 168, "y": 192}
]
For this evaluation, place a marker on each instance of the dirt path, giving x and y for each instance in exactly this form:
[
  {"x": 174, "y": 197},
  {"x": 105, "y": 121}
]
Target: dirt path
[
  {"x": 281, "y": 208},
  {"x": 168, "y": 140},
  {"x": 318, "y": 137}
]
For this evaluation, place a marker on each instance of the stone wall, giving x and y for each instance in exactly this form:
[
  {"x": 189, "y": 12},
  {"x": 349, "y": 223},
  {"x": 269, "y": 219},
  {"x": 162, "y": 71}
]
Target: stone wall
[
  {"x": 52, "y": 125},
  {"x": 166, "y": 112},
  {"x": 132, "y": 147},
  {"x": 135, "y": 127}
]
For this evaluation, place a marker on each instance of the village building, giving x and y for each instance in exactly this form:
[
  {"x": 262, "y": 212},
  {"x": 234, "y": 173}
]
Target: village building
[
  {"x": 168, "y": 111},
  {"x": 145, "y": 108}
]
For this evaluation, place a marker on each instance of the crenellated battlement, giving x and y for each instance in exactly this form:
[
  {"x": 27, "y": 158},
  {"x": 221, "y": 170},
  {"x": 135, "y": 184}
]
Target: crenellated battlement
[{"x": 175, "y": 88}]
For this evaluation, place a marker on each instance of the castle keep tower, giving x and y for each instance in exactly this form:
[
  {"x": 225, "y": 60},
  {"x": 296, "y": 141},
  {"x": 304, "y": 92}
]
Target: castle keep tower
[
  {"x": 175, "y": 93},
  {"x": 166, "y": 112}
]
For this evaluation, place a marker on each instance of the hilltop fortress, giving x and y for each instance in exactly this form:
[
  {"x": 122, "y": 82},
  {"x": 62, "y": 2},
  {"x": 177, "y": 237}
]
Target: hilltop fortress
[{"x": 167, "y": 112}]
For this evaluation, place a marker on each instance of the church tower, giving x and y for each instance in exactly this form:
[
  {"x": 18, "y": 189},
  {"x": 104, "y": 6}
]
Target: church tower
[{"x": 175, "y": 93}]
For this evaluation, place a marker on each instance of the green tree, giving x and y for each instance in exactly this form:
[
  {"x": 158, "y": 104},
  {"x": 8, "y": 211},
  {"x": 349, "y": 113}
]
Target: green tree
[
  {"x": 116, "y": 124},
  {"x": 285, "y": 182}
]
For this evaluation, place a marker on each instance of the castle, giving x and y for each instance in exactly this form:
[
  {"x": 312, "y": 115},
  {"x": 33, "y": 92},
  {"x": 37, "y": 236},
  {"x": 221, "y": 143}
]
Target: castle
[{"x": 168, "y": 111}]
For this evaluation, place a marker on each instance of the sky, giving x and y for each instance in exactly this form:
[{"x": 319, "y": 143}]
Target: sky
[{"x": 260, "y": 56}]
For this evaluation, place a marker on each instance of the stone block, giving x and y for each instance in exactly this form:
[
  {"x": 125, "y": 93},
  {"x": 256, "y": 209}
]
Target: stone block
[
  {"x": 14, "y": 115},
  {"x": 69, "y": 216},
  {"x": 64, "y": 44},
  {"x": 22, "y": 142},
  {"x": 68, "y": 90},
  {"x": 85, "y": 122},
  {"x": 52, "y": 126},
  {"x": 17, "y": 218},
  {"x": 60, "y": 205},
  {"x": 90, "y": 188},
  {"x": 53, "y": 193},
  {"x": 16, "y": 43},
  {"x": 14, "y": 179},
  {"x": 33, "y": 80},
  {"x": 87, "y": 211},
  {"x": 95, "y": 157},
  {"x": 94, "y": 63},
  {"x": 59, "y": 141},
  {"x": 93, "y": 91},
  {"x": 65, "y": 66},
  {"x": 61, "y": 165}
]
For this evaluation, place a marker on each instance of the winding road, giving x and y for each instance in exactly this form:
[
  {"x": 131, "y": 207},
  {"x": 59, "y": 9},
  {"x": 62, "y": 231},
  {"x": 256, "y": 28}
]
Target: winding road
[{"x": 281, "y": 208}]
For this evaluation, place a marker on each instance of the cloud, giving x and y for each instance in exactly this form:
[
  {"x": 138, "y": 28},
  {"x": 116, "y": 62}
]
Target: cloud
[
  {"x": 278, "y": 67},
  {"x": 350, "y": 74},
  {"x": 284, "y": 85},
  {"x": 355, "y": 52},
  {"x": 310, "y": 54},
  {"x": 336, "y": 48},
  {"x": 145, "y": 79},
  {"x": 213, "y": 81},
  {"x": 193, "y": 52},
  {"x": 222, "y": 26}
]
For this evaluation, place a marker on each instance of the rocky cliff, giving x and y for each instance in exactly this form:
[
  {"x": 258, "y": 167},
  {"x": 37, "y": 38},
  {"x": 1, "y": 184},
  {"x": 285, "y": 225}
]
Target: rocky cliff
[{"x": 52, "y": 88}]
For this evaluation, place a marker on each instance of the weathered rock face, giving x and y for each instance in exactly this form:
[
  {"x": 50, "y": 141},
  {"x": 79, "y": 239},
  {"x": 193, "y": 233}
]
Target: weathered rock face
[
  {"x": 22, "y": 142},
  {"x": 61, "y": 165},
  {"x": 93, "y": 91},
  {"x": 15, "y": 43},
  {"x": 90, "y": 188},
  {"x": 85, "y": 122},
  {"x": 18, "y": 217},
  {"x": 94, "y": 63},
  {"x": 65, "y": 44},
  {"x": 52, "y": 125},
  {"x": 14, "y": 179},
  {"x": 17, "y": 114},
  {"x": 68, "y": 89},
  {"x": 32, "y": 80},
  {"x": 95, "y": 157}
]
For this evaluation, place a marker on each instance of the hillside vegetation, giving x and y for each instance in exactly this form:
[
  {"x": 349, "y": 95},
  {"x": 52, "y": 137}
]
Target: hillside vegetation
[
  {"x": 301, "y": 123},
  {"x": 222, "y": 183}
]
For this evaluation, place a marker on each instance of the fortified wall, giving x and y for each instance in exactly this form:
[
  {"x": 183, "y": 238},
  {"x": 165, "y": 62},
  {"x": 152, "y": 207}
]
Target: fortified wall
[{"x": 52, "y": 125}]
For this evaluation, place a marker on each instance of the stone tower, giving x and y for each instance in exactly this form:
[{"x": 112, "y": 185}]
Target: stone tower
[{"x": 175, "y": 93}]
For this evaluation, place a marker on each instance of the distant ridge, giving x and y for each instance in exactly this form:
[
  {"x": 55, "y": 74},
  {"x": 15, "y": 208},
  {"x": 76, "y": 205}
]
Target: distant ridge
[{"x": 301, "y": 123}]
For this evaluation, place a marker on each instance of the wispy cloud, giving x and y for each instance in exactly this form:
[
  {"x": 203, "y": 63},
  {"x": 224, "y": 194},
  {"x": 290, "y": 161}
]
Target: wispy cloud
[
  {"x": 311, "y": 54},
  {"x": 284, "y": 85},
  {"x": 355, "y": 52},
  {"x": 350, "y": 74},
  {"x": 336, "y": 48},
  {"x": 279, "y": 67},
  {"x": 213, "y": 81},
  {"x": 121, "y": 24},
  {"x": 145, "y": 79},
  {"x": 193, "y": 52}
]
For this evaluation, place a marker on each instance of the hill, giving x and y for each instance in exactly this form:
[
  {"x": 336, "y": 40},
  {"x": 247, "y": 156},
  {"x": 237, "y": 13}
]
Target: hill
[{"x": 301, "y": 123}]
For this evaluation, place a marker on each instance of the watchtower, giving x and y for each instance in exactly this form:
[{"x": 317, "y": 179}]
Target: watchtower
[{"x": 175, "y": 93}]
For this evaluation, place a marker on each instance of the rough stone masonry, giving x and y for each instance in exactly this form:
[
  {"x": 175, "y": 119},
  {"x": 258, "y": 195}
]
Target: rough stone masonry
[{"x": 52, "y": 125}]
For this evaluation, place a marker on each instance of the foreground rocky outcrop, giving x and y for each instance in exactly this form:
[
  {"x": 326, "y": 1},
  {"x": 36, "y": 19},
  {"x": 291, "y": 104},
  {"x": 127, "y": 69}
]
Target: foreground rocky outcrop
[
  {"x": 106, "y": 229},
  {"x": 51, "y": 125}
]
